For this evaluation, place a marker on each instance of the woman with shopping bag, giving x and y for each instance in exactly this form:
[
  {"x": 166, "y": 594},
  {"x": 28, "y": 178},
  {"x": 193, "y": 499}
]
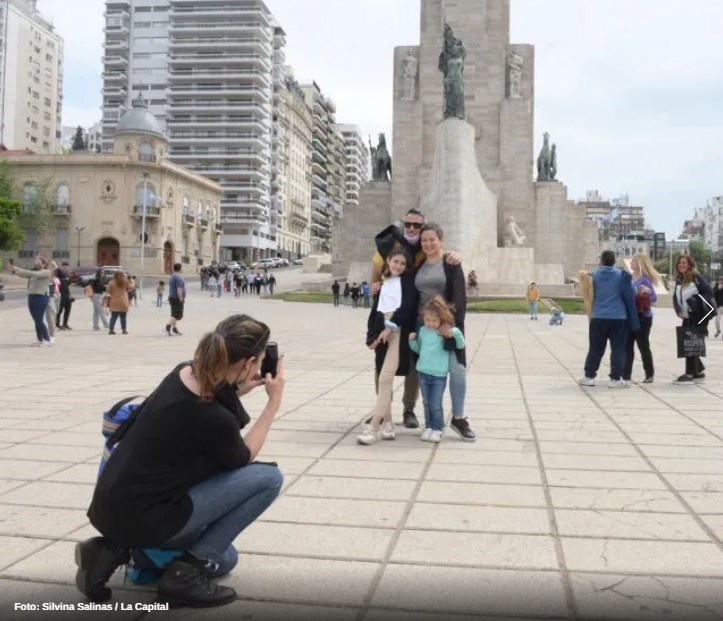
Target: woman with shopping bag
[{"x": 693, "y": 302}]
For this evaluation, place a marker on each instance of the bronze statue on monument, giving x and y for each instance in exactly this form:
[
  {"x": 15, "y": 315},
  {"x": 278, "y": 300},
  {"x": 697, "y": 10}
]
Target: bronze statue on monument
[
  {"x": 451, "y": 64},
  {"x": 381, "y": 160}
]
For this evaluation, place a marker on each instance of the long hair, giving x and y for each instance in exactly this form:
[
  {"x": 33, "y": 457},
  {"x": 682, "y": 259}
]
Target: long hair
[
  {"x": 120, "y": 280},
  {"x": 647, "y": 269},
  {"x": 440, "y": 307},
  {"x": 398, "y": 251},
  {"x": 236, "y": 338},
  {"x": 688, "y": 276}
]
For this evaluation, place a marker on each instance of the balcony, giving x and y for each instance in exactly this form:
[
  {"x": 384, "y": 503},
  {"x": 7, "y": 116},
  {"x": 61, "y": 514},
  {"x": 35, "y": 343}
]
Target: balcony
[
  {"x": 217, "y": 228},
  {"x": 189, "y": 220},
  {"x": 151, "y": 212},
  {"x": 61, "y": 209},
  {"x": 203, "y": 222}
]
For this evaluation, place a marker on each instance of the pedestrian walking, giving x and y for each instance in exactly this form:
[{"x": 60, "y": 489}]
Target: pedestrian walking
[
  {"x": 718, "y": 297},
  {"x": 51, "y": 310},
  {"x": 355, "y": 292},
  {"x": 347, "y": 293},
  {"x": 272, "y": 283},
  {"x": 160, "y": 290},
  {"x": 65, "y": 301},
  {"x": 176, "y": 299},
  {"x": 366, "y": 291},
  {"x": 39, "y": 279},
  {"x": 335, "y": 288},
  {"x": 119, "y": 289}
]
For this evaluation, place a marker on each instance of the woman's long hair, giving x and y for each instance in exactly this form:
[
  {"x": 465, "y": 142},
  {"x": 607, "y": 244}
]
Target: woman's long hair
[
  {"x": 647, "y": 269},
  {"x": 120, "y": 280},
  {"x": 236, "y": 338}
]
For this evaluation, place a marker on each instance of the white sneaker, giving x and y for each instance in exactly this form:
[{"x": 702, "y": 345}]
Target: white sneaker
[
  {"x": 587, "y": 381},
  {"x": 388, "y": 431},
  {"x": 618, "y": 383},
  {"x": 45, "y": 344},
  {"x": 370, "y": 436},
  {"x": 52, "y": 340},
  {"x": 436, "y": 436},
  {"x": 426, "y": 434}
]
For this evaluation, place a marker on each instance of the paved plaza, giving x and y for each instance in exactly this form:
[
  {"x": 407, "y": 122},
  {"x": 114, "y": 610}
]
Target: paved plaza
[{"x": 573, "y": 503}]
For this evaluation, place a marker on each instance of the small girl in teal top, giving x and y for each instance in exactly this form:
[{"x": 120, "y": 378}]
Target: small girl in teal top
[{"x": 433, "y": 364}]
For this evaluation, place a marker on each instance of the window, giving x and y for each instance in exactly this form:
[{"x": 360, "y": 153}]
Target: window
[
  {"x": 142, "y": 24},
  {"x": 146, "y": 195},
  {"x": 30, "y": 197},
  {"x": 62, "y": 199},
  {"x": 46, "y": 101},
  {"x": 146, "y": 153},
  {"x": 61, "y": 239},
  {"x": 143, "y": 9},
  {"x": 186, "y": 207}
]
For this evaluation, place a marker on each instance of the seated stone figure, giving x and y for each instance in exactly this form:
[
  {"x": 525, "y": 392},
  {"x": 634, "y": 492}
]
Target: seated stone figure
[{"x": 514, "y": 236}]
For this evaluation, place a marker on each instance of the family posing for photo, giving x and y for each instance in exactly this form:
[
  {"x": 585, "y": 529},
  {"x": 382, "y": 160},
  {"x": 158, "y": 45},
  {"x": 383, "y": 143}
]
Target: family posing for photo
[{"x": 419, "y": 309}]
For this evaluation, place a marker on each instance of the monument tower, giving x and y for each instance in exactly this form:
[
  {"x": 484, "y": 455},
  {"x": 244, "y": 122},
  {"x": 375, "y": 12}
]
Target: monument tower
[{"x": 469, "y": 166}]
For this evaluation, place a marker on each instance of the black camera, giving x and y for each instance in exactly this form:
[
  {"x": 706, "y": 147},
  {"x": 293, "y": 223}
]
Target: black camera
[{"x": 271, "y": 360}]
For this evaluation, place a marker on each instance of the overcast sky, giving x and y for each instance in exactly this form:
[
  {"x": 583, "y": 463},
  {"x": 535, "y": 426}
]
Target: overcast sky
[{"x": 631, "y": 91}]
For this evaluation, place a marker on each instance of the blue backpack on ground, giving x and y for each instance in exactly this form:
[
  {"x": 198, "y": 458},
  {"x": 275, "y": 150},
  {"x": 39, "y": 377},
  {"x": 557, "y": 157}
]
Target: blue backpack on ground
[{"x": 147, "y": 564}]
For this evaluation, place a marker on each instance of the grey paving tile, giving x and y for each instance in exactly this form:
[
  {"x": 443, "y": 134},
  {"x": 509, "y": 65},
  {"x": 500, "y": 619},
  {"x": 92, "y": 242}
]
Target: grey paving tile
[
  {"x": 367, "y": 469},
  {"x": 483, "y": 474},
  {"x": 604, "y": 479},
  {"x": 341, "y": 487},
  {"x": 16, "y": 547},
  {"x": 471, "y": 591},
  {"x": 476, "y": 518},
  {"x": 52, "y": 453},
  {"x": 26, "y": 470},
  {"x": 51, "y": 494},
  {"x": 643, "y": 557},
  {"x": 261, "y": 611},
  {"x": 482, "y": 494},
  {"x": 39, "y": 521},
  {"x": 647, "y": 598},
  {"x": 623, "y": 524},
  {"x": 615, "y": 499},
  {"x": 331, "y": 542},
  {"x": 704, "y": 501},
  {"x": 303, "y": 510},
  {"x": 475, "y": 549}
]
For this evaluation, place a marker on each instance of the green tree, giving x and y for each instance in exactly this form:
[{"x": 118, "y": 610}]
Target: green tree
[
  {"x": 700, "y": 254},
  {"x": 11, "y": 237},
  {"x": 78, "y": 142}
]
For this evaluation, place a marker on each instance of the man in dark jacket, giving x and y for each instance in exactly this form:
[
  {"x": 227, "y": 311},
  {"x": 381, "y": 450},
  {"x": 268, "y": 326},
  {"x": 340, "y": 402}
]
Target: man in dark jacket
[
  {"x": 614, "y": 315},
  {"x": 66, "y": 300}
]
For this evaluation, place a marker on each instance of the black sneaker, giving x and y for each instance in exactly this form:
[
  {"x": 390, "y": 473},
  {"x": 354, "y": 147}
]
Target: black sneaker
[
  {"x": 175, "y": 331},
  {"x": 97, "y": 559},
  {"x": 168, "y": 329},
  {"x": 649, "y": 380},
  {"x": 461, "y": 427},
  {"x": 700, "y": 377},
  {"x": 684, "y": 379},
  {"x": 410, "y": 420}
]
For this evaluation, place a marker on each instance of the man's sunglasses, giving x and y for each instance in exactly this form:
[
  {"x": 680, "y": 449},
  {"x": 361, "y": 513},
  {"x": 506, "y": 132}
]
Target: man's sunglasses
[{"x": 413, "y": 225}]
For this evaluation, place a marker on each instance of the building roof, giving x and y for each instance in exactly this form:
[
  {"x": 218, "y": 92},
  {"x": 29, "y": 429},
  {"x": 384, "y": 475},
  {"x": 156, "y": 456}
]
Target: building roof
[
  {"x": 139, "y": 120},
  {"x": 7, "y": 152}
]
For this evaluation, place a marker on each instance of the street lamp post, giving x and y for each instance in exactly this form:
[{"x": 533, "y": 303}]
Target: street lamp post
[
  {"x": 143, "y": 230},
  {"x": 79, "y": 229}
]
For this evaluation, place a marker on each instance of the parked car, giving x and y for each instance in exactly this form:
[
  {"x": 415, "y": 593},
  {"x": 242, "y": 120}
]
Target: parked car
[
  {"x": 109, "y": 270},
  {"x": 77, "y": 273},
  {"x": 297, "y": 262},
  {"x": 265, "y": 263},
  {"x": 234, "y": 265}
]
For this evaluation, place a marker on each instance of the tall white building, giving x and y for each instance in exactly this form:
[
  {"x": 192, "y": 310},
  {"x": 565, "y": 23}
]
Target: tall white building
[
  {"x": 357, "y": 162},
  {"x": 213, "y": 71},
  {"x": 31, "y": 78},
  {"x": 713, "y": 215}
]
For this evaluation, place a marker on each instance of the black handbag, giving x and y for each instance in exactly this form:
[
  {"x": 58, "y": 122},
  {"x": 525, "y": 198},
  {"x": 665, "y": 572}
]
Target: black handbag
[{"x": 691, "y": 343}]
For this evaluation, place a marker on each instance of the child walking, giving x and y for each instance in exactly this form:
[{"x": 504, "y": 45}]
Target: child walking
[
  {"x": 390, "y": 322},
  {"x": 159, "y": 293},
  {"x": 433, "y": 362}
]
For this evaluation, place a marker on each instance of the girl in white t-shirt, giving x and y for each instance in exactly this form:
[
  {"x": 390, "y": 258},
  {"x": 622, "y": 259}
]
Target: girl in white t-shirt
[{"x": 390, "y": 322}]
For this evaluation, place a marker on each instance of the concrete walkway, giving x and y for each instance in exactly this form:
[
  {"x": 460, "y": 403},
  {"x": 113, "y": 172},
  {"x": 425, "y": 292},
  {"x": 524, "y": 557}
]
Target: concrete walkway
[{"x": 573, "y": 504}]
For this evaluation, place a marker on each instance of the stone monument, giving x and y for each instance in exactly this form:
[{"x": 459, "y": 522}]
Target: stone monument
[{"x": 463, "y": 152}]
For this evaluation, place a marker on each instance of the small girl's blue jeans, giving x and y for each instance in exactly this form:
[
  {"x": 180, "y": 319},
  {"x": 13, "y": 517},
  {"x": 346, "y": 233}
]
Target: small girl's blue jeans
[{"x": 432, "y": 389}]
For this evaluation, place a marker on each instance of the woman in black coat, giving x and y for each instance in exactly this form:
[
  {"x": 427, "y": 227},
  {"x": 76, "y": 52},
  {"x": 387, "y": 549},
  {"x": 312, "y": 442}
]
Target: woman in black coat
[{"x": 435, "y": 276}]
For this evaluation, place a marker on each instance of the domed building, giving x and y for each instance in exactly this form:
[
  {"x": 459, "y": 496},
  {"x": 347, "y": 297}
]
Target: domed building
[{"x": 91, "y": 209}]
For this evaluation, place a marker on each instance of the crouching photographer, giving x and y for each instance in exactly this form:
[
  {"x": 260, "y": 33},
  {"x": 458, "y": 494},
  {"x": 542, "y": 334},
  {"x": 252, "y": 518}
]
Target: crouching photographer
[{"x": 180, "y": 476}]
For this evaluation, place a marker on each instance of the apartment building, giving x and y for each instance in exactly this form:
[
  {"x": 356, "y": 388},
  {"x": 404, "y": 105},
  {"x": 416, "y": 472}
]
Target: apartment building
[
  {"x": 357, "y": 162},
  {"x": 31, "y": 79},
  {"x": 295, "y": 223},
  {"x": 323, "y": 158},
  {"x": 213, "y": 71}
]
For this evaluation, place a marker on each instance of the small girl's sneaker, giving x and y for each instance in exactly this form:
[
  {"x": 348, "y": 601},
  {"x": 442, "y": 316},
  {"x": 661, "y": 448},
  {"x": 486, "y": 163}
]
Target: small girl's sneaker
[
  {"x": 370, "y": 436},
  {"x": 426, "y": 434},
  {"x": 436, "y": 436},
  {"x": 388, "y": 431}
]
